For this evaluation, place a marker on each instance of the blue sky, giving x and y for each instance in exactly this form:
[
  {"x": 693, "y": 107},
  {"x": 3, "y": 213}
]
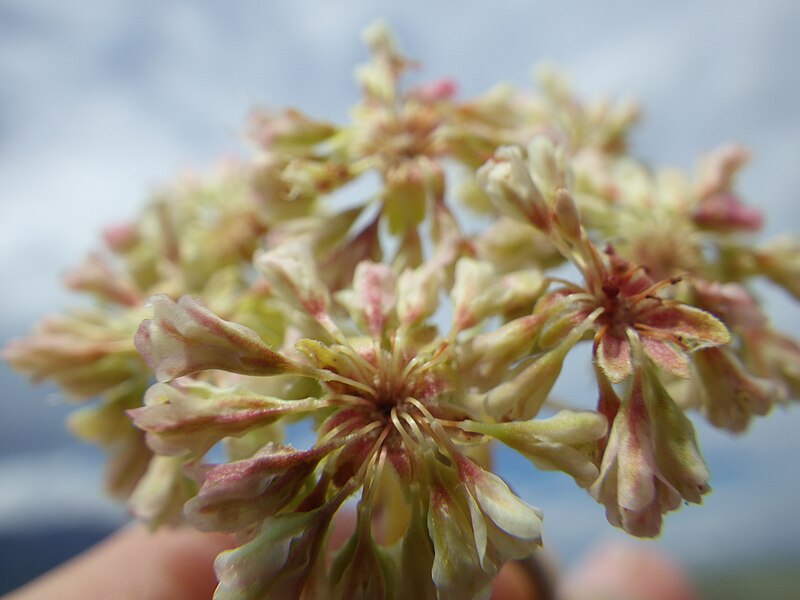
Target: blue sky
[{"x": 102, "y": 101}]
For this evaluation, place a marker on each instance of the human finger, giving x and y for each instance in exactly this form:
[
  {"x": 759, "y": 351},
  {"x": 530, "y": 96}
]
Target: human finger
[
  {"x": 633, "y": 572},
  {"x": 135, "y": 564}
]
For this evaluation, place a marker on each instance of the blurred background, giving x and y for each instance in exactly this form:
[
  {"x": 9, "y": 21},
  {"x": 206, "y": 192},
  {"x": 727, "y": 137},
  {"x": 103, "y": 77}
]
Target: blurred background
[{"x": 102, "y": 101}]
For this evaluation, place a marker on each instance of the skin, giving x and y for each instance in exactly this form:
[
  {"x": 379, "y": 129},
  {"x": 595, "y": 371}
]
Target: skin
[
  {"x": 624, "y": 570},
  {"x": 177, "y": 565},
  {"x": 135, "y": 564}
]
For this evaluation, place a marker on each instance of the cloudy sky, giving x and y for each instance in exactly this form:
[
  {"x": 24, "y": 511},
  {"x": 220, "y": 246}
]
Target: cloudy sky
[{"x": 102, "y": 101}]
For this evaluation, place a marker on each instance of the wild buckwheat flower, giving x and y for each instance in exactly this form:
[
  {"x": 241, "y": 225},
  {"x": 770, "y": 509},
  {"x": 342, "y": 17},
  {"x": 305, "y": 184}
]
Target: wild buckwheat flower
[
  {"x": 409, "y": 342},
  {"x": 779, "y": 260},
  {"x": 755, "y": 374},
  {"x": 197, "y": 237},
  {"x": 669, "y": 220},
  {"x": 395, "y": 424},
  {"x": 693, "y": 227},
  {"x": 651, "y": 462},
  {"x": 622, "y": 294},
  {"x": 637, "y": 332}
]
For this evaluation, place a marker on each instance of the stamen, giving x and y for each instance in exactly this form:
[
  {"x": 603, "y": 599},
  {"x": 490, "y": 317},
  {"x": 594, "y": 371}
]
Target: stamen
[
  {"x": 599, "y": 271},
  {"x": 409, "y": 368},
  {"x": 660, "y": 334},
  {"x": 361, "y": 475},
  {"x": 441, "y": 354},
  {"x": 582, "y": 296},
  {"x": 326, "y": 375},
  {"x": 396, "y": 358},
  {"x": 373, "y": 475},
  {"x": 422, "y": 439},
  {"x": 419, "y": 473},
  {"x": 650, "y": 292},
  {"x": 336, "y": 431},
  {"x": 349, "y": 400},
  {"x": 400, "y": 429},
  {"x": 436, "y": 430},
  {"x": 570, "y": 285},
  {"x": 365, "y": 368}
]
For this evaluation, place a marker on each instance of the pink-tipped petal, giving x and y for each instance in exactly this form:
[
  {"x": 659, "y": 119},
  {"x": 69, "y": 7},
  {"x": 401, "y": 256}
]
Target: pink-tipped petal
[{"x": 613, "y": 356}]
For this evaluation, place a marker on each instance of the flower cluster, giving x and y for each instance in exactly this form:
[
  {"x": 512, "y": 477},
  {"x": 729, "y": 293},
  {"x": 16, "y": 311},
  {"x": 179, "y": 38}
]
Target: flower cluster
[{"x": 410, "y": 343}]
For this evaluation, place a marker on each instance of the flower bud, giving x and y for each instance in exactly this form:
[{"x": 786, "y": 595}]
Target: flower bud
[
  {"x": 507, "y": 181},
  {"x": 83, "y": 358},
  {"x": 566, "y": 216},
  {"x": 530, "y": 383},
  {"x": 417, "y": 294},
  {"x": 547, "y": 165},
  {"x": 651, "y": 461},
  {"x": 731, "y": 394},
  {"x": 519, "y": 291},
  {"x": 162, "y": 491},
  {"x": 184, "y": 337},
  {"x": 553, "y": 444},
  {"x": 121, "y": 237},
  {"x": 717, "y": 169},
  {"x": 405, "y": 195},
  {"x": 96, "y": 276},
  {"x": 289, "y": 130},
  {"x": 193, "y": 416},
  {"x": 474, "y": 294},
  {"x": 769, "y": 354},
  {"x": 730, "y": 302},
  {"x": 725, "y": 212},
  {"x": 780, "y": 261},
  {"x": 374, "y": 295},
  {"x": 291, "y": 272},
  {"x": 483, "y": 359},
  {"x": 509, "y": 245},
  {"x": 434, "y": 91}
]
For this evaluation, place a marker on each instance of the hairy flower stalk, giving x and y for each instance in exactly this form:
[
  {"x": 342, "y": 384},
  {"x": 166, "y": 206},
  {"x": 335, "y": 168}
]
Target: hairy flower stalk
[{"x": 410, "y": 346}]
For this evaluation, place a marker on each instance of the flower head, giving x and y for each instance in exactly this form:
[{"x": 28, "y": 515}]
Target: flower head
[
  {"x": 391, "y": 406},
  {"x": 410, "y": 339}
]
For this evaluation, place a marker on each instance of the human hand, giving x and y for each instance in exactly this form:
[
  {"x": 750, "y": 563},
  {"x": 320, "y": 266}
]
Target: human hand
[
  {"x": 177, "y": 565},
  {"x": 134, "y": 564},
  {"x": 620, "y": 570}
]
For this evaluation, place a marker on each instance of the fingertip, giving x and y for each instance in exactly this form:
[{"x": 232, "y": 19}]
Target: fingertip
[
  {"x": 520, "y": 580},
  {"x": 173, "y": 564},
  {"x": 626, "y": 570},
  {"x": 177, "y": 563}
]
